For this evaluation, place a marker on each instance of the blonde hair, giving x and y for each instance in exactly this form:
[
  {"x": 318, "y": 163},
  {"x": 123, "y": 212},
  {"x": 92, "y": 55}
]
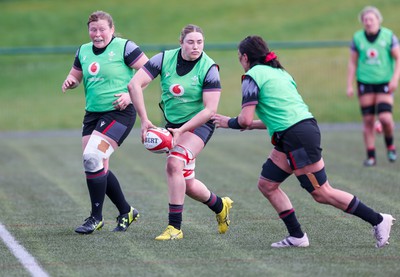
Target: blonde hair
[
  {"x": 372, "y": 9},
  {"x": 190, "y": 28}
]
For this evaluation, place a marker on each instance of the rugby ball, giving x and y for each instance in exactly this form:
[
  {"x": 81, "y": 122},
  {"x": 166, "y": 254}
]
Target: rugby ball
[
  {"x": 378, "y": 127},
  {"x": 158, "y": 140}
]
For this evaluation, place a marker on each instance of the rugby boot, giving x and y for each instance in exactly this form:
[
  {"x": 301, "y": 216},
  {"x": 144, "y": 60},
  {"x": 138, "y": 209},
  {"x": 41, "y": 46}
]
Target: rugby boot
[
  {"x": 124, "y": 220},
  {"x": 170, "y": 233},
  {"x": 290, "y": 241},
  {"x": 223, "y": 217},
  {"x": 382, "y": 230},
  {"x": 90, "y": 225}
]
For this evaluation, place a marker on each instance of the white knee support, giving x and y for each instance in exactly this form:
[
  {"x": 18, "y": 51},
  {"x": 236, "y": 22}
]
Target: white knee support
[
  {"x": 188, "y": 170},
  {"x": 182, "y": 153},
  {"x": 95, "y": 151}
]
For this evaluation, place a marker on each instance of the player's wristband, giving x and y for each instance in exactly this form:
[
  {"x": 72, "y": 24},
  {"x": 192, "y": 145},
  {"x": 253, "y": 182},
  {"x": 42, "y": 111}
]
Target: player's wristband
[{"x": 233, "y": 123}]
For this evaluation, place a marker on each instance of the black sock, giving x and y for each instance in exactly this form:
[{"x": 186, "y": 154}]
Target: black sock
[
  {"x": 389, "y": 144},
  {"x": 114, "y": 192},
  {"x": 357, "y": 208},
  {"x": 292, "y": 225},
  {"x": 371, "y": 153},
  {"x": 97, "y": 184},
  {"x": 175, "y": 215},
  {"x": 214, "y": 203}
]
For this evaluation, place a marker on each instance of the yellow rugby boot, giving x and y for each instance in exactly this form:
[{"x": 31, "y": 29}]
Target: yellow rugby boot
[
  {"x": 223, "y": 217},
  {"x": 170, "y": 233}
]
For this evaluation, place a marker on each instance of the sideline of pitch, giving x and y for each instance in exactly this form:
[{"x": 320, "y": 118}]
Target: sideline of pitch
[{"x": 26, "y": 259}]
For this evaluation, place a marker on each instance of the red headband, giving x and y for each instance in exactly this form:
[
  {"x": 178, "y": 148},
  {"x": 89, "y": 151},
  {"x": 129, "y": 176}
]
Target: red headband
[{"x": 270, "y": 56}]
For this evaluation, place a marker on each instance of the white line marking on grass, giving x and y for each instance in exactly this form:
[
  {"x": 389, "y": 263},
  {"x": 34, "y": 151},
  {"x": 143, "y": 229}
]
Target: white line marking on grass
[{"x": 26, "y": 259}]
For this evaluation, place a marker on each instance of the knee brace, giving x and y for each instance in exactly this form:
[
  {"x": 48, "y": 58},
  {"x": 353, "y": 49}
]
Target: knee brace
[
  {"x": 182, "y": 153},
  {"x": 368, "y": 110},
  {"x": 311, "y": 181},
  {"x": 188, "y": 170},
  {"x": 384, "y": 107},
  {"x": 95, "y": 151},
  {"x": 270, "y": 171}
]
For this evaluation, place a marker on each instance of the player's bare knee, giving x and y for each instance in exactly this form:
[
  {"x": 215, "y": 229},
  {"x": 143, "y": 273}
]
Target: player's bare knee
[
  {"x": 261, "y": 185},
  {"x": 386, "y": 120},
  {"x": 173, "y": 166},
  {"x": 319, "y": 197},
  {"x": 267, "y": 187},
  {"x": 313, "y": 181}
]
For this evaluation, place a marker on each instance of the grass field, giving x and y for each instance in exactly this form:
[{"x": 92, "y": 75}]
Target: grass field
[
  {"x": 43, "y": 197},
  {"x": 31, "y": 97}
]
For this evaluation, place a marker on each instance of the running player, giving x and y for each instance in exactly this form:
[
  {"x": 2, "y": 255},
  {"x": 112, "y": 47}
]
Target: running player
[
  {"x": 269, "y": 91},
  {"x": 105, "y": 65}
]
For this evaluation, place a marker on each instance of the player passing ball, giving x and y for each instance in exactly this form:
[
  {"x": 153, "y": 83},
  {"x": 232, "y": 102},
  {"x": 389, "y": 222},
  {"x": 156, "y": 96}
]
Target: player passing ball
[
  {"x": 270, "y": 91},
  {"x": 190, "y": 92}
]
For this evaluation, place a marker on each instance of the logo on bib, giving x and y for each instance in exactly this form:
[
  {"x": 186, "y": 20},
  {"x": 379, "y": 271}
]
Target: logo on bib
[
  {"x": 94, "y": 68},
  {"x": 176, "y": 90},
  {"x": 111, "y": 55},
  {"x": 373, "y": 55}
]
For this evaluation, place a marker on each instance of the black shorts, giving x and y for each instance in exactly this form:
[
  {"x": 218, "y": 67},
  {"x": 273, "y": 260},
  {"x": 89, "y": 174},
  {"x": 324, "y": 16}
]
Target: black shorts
[
  {"x": 115, "y": 124},
  {"x": 301, "y": 143},
  {"x": 204, "y": 132},
  {"x": 372, "y": 88}
]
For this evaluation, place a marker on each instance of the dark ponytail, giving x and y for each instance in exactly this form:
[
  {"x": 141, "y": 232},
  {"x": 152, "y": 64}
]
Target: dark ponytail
[{"x": 258, "y": 52}]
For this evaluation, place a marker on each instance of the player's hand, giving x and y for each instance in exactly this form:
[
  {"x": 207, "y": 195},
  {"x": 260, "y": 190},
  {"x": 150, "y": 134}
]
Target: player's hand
[
  {"x": 393, "y": 86},
  {"x": 146, "y": 124},
  {"x": 176, "y": 133},
  {"x": 220, "y": 121},
  {"x": 69, "y": 83},
  {"x": 122, "y": 102},
  {"x": 350, "y": 91}
]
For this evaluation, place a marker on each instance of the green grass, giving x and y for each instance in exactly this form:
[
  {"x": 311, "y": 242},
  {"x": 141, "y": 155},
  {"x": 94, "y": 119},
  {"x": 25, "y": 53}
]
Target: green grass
[
  {"x": 30, "y": 85},
  {"x": 43, "y": 197},
  {"x": 53, "y": 23}
]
